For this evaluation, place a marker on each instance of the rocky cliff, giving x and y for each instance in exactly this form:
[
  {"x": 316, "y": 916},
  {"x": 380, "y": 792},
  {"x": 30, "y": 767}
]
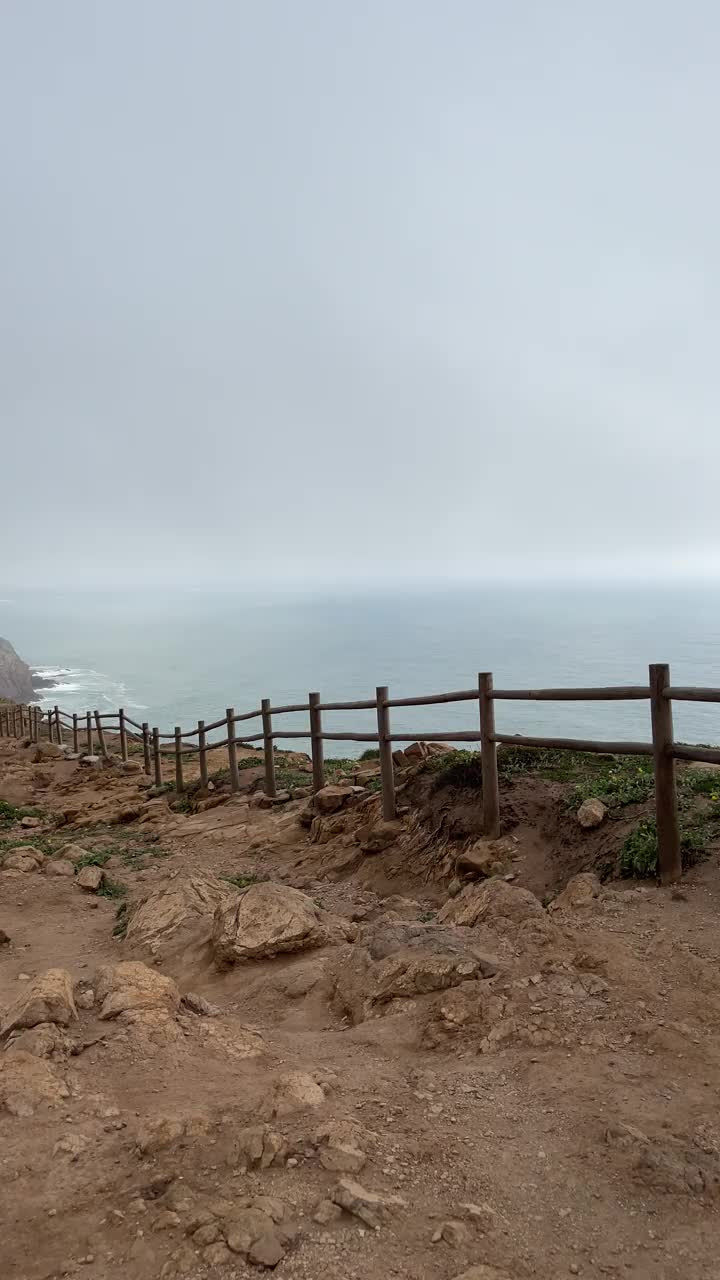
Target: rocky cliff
[{"x": 15, "y": 678}]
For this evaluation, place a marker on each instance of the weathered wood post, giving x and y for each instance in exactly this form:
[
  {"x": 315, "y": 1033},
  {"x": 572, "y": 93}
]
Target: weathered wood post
[
  {"x": 268, "y": 748},
  {"x": 488, "y": 758},
  {"x": 146, "y": 747},
  {"x": 2, "y": 723},
  {"x": 202, "y": 755},
  {"x": 123, "y": 733},
  {"x": 156, "y": 756},
  {"x": 58, "y": 726},
  {"x": 49, "y": 725},
  {"x": 36, "y": 724},
  {"x": 88, "y": 734},
  {"x": 76, "y": 745},
  {"x": 100, "y": 735},
  {"x": 316, "y": 742},
  {"x": 232, "y": 750},
  {"x": 387, "y": 776},
  {"x": 666, "y": 805},
  {"x": 22, "y": 722},
  {"x": 179, "y": 782}
]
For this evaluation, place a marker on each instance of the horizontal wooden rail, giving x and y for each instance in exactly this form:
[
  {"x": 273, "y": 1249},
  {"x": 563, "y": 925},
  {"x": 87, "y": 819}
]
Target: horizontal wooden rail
[
  {"x": 430, "y": 699},
  {"x": 704, "y": 755},
  {"x": 291, "y": 706},
  {"x": 577, "y": 744},
  {"x": 614, "y": 693},
  {"x": 347, "y": 706},
  {"x": 691, "y": 695}
]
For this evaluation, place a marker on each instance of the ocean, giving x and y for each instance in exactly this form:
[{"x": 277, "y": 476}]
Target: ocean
[{"x": 172, "y": 657}]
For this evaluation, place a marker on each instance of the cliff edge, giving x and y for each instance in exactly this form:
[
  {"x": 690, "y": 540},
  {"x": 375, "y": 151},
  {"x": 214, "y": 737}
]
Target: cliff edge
[{"x": 15, "y": 678}]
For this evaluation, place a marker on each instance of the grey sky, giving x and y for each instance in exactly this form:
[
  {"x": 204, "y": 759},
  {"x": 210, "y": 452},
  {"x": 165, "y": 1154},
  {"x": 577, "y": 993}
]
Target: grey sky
[{"x": 320, "y": 289}]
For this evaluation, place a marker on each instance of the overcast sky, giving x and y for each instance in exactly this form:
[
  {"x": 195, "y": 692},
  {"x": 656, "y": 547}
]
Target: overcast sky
[{"x": 322, "y": 289}]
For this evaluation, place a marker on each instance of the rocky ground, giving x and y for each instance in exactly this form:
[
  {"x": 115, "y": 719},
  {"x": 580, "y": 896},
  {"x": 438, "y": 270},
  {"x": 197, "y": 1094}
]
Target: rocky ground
[{"x": 238, "y": 1036}]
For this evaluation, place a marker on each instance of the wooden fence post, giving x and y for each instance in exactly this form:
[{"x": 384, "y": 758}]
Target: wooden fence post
[
  {"x": 666, "y": 805},
  {"x": 146, "y": 747},
  {"x": 58, "y": 726},
  {"x": 123, "y": 733},
  {"x": 232, "y": 750},
  {"x": 100, "y": 734},
  {"x": 268, "y": 748},
  {"x": 179, "y": 782},
  {"x": 156, "y": 757},
  {"x": 202, "y": 755},
  {"x": 387, "y": 776},
  {"x": 488, "y": 758},
  {"x": 22, "y": 722},
  {"x": 316, "y": 742},
  {"x": 76, "y": 744},
  {"x": 88, "y": 733},
  {"x": 2, "y": 722}
]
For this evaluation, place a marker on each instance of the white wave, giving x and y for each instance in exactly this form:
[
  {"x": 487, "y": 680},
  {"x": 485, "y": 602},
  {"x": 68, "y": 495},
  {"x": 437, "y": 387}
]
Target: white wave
[{"x": 80, "y": 689}]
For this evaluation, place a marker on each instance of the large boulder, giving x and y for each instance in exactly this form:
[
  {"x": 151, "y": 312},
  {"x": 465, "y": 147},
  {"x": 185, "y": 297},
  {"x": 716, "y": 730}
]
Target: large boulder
[
  {"x": 170, "y": 908},
  {"x": 400, "y": 962},
  {"x": 22, "y": 860},
  {"x": 493, "y": 902},
  {"x": 580, "y": 891},
  {"x": 267, "y": 919},
  {"x": 27, "y": 1082},
  {"x": 133, "y": 991},
  {"x": 333, "y": 797},
  {"x": 49, "y": 999}
]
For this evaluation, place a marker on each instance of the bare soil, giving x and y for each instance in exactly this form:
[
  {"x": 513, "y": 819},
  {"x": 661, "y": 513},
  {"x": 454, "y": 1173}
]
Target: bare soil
[{"x": 571, "y": 1097}]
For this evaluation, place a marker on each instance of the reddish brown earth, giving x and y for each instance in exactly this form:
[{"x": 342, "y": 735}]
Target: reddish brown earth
[{"x": 531, "y": 1091}]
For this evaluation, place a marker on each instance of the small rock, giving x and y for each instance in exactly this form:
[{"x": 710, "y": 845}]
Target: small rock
[
  {"x": 454, "y": 1233},
  {"x": 90, "y": 879},
  {"x": 209, "y": 1234},
  {"x": 5, "y": 938},
  {"x": 369, "y": 1206},
  {"x": 59, "y": 867},
  {"x": 592, "y": 813},
  {"x": 342, "y": 1157},
  {"x": 326, "y": 1212},
  {"x": 267, "y": 1251},
  {"x": 166, "y": 1220},
  {"x": 201, "y": 1006},
  {"x": 216, "y": 1255},
  {"x": 294, "y": 1091}
]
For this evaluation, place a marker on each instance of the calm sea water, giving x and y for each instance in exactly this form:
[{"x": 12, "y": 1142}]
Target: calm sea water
[{"x": 171, "y": 658}]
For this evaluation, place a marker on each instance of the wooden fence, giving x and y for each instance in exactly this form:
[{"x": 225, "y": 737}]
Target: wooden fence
[{"x": 23, "y": 721}]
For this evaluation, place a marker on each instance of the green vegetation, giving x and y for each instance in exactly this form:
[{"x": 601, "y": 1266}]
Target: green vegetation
[
  {"x": 121, "y": 921},
  {"x": 243, "y": 881},
  {"x": 639, "y": 851},
  {"x": 10, "y": 813},
  {"x": 112, "y": 889},
  {"x": 46, "y": 844},
  {"x": 373, "y": 753},
  {"x": 620, "y": 783},
  {"x": 94, "y": 858},
  {"x": 339, "y": 764}
]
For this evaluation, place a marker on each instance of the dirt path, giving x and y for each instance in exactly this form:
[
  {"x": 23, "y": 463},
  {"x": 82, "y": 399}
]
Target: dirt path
[{"x": 558, "y": 1118}]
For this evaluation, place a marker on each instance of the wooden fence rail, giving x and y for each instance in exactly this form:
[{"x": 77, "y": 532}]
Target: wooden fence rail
[{"x": 23, "y": 721}]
